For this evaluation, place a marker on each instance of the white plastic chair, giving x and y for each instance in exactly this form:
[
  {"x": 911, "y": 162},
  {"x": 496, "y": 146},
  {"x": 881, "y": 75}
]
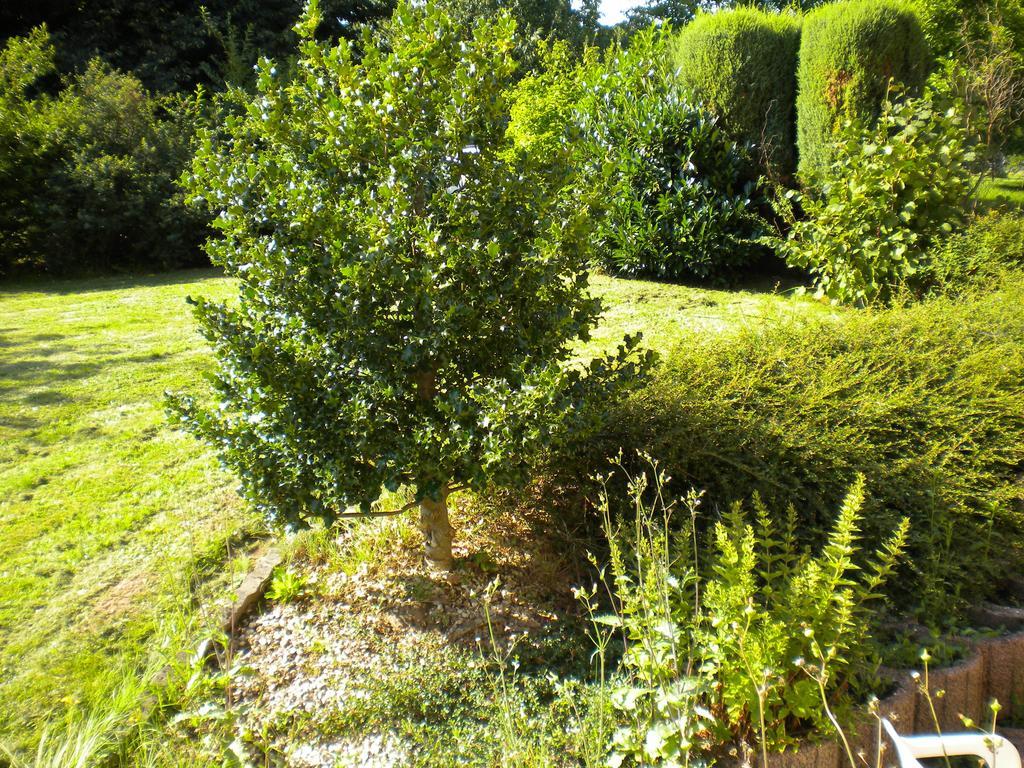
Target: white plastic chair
[{"x": 992, "y": 748}]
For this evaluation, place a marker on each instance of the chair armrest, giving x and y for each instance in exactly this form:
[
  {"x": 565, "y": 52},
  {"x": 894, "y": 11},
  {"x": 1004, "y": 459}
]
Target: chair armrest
[{"x": 992, "y": 748}]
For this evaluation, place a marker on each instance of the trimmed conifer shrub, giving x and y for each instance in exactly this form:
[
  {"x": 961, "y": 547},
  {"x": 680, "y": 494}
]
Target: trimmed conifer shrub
[
  {"x": 852, "y": 55},
  {"x": 740, "y": 65}
]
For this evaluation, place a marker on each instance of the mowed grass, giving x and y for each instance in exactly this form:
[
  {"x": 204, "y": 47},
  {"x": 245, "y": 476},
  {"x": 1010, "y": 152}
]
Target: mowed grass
[
  {"x": 110, "y": 521},
  {"x": 667, "y": 314},
  {"x": 1007, "y": 191},
  {"x": 108, "y": 517}
]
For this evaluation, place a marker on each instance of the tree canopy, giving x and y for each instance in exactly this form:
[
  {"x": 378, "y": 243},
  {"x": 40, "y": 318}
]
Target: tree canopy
[{"x": 409, "y": 294}]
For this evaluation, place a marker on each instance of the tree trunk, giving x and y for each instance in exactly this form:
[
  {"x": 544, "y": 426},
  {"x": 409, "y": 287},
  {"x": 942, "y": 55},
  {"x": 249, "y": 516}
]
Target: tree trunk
[{"x": 437, "y": 532}]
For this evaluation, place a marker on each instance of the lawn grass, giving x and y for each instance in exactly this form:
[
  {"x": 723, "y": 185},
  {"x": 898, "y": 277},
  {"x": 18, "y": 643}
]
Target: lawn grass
[
  {"x": 1006, "y": 191},
  {"x": 105, "y": 512},
  {"x": 667, "y": 313},
  {"x": 108, "y": 518}
]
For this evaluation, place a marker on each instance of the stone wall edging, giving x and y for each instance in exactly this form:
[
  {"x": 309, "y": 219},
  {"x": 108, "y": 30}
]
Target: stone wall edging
[
  {"x": 248, "y": 595},
  {"x": 995, "y": 670}
]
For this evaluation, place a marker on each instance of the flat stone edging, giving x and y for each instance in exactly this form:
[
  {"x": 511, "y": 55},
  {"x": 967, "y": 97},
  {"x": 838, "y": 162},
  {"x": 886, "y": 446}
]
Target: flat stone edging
[
  {"x": 252, "y": 589},
  {"x": 248, "y": 595}
]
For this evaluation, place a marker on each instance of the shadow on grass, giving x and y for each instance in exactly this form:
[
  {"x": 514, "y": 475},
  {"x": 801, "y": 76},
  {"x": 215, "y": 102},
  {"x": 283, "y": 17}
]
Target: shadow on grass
[
  {"x": 1007, "y": 191},
  {"x": 84, "y": 285},
  {"x": 22, "y": 379}
]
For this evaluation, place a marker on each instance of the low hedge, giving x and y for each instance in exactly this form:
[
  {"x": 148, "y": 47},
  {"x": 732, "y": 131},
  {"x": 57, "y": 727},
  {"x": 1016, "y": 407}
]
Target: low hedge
[
  {"x": 927, "y": 402},
  {"x": 988, "y": 252}
]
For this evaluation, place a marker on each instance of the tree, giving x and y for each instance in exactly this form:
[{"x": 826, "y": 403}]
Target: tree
[
  {"x": 175, "y": 44},
  {"x": 88, "y": 175},
  {"x": 408, "y": 296},
  {"x": 556, "y": 19},
  {"x": 27, "y": 155},
  {"x": 987, "y": 77},
  {"x": 678, "y": 13}
]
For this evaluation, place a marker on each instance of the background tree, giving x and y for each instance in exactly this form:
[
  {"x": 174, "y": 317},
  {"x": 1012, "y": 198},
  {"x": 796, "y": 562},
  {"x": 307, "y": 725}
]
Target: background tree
[
  {"x": 176, "y": 44},
  {"x": 986, "y": 76},
  {"x": 545, "y": 17},
  {"x": 408, "y": 296},
  {"x": 678, "y": 13},
  {"x": 88, "y": 175}
]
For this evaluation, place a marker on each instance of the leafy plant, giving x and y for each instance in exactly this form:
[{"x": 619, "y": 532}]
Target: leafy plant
[
  {"x": 765, "y": 643},
  {"x": 408, "y": 296},
  {"x": 286, "y": 585},
  {"x": 669, "y": 187},
  {"x": 787, "y": 628},
  {"x": 659, "y": 695},
  {"x": 891, "y": 192}
]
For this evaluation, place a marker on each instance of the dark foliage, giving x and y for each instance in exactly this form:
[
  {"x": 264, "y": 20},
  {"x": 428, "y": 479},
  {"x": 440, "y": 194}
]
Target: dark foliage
[
  {"x": 88, "y": 178},
  {"x": 168, "y": 44},
  {"x": 673, "y": 190}
]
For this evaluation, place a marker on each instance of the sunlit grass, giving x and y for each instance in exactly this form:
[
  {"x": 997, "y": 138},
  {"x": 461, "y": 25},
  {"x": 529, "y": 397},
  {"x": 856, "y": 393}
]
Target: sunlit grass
[
  {"x": 105, "y": 512},
  {"x": 1003, "y": 191},
  {"x": 108, "y": 518},
  {"x": 667, "y": 314}
]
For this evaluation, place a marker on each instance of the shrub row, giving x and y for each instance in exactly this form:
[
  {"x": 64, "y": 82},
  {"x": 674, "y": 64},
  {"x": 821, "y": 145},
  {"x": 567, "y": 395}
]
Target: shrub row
[
  {"x": 88, "y": 176},
  {"x": 926, "y": 402},
  {"x": 743, "y": 66},
  {"x": 852, "y": 56}
]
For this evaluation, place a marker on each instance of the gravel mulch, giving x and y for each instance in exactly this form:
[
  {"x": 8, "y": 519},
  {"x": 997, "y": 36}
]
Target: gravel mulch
[{"x": 313, "y": 656}]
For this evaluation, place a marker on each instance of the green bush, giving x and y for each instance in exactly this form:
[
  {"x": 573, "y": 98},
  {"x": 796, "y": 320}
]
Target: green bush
[
  {"x": 114, "y": 202},
  {"x": 89, "y": 176},
  {"x": 927, "y": 402},
  {"x": 851, "y": 55},
  {"x": 670, "y": 187},
  {"x": 980, "y": 257},
  {"x": 408, "y": 298},
  {"x": 542, "y": 112},
  {"x": 27, "y": 151},
  {"x": 740, "y": 65},
  {"x": 888, "y": 195}
]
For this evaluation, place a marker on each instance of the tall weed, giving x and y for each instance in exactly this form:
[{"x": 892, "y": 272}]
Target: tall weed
[{"x": 760, "y": 648}]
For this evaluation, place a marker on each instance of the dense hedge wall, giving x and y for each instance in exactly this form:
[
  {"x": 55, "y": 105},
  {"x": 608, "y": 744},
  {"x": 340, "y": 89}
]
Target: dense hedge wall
[
  {"x": 88, "y": 176},
  {"x": 849, "y": 53},
  {"x": 741, "y": 65}
]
